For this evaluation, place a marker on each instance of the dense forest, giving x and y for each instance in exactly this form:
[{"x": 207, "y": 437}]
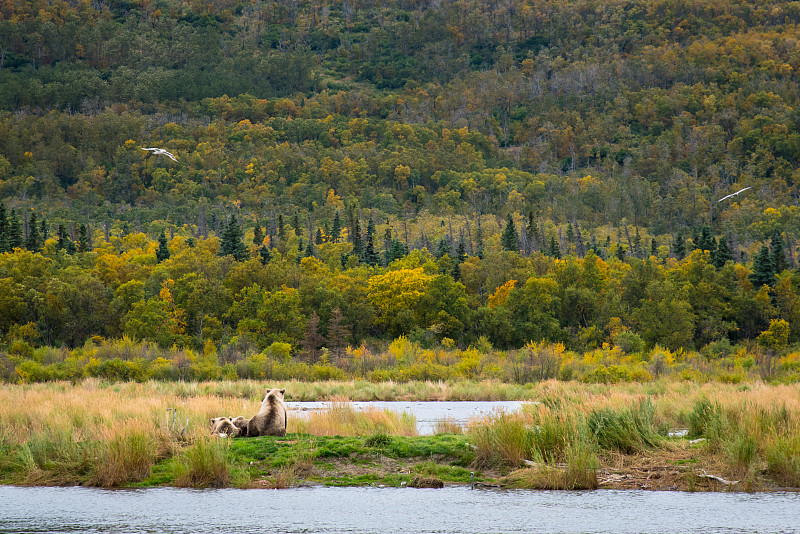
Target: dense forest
[{"x": 456, "y": 174}]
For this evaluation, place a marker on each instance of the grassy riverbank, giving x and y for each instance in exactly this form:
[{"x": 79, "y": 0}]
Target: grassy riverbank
[{"x": 736, "y": 437}]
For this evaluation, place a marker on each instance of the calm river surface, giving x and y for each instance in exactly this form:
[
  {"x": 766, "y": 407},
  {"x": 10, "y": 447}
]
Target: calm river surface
[
  {"x": 427, "y": 413},
  {"x": 392, "y": 510}
]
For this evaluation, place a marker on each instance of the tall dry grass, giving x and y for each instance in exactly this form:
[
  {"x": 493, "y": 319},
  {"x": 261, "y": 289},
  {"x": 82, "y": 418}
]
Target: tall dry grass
[{"x": 342, "y": 419}]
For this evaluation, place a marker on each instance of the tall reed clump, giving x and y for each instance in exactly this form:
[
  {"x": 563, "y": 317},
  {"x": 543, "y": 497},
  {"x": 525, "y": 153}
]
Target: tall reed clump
[
  {"x": 205, "y": 464},
  {"x": 629, "y": 430},
  {"x": 506, "y": 439},
  {"x": 342, "y": 419},
  {"x": 577, "y": 473},
  {"x": 127, "y": 453},
  {"x": 49, "y": 457}
]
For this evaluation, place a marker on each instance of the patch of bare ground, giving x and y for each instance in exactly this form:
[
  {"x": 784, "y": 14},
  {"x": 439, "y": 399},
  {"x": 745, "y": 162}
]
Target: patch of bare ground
[{"x": 680, "y": 467}]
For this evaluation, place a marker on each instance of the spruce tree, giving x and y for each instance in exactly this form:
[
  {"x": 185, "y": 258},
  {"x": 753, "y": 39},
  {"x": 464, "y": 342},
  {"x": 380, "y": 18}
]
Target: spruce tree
[
  {"x": 84, "y": 244},
  {"x": 722, "y": 255},
  {"x": 43, "y": 230},
  {"x": 3, "y": 229},
  {"x": 358, "y": 240},
  {"x": 778, "y": 253},
  {"x": 509, "y": 238},
  {"x": 763, "y": 268},
  {"x": 653, "y": 247},
  {"x": 318, "y": 240},
  {"x": 14, "y": 232},
  {"x": 162, "y": 253},
  {"x": 336, "y": 230},
  {"x": 679, "y": 246},
  {"x": 442, "y": 249},
  {"x": 63, "y": 238},
  {"x": 280, "y": 226},
  {"x": 706, "y": 240},
  {"x": 34, "y": 241},
  {"x": 296, "y": 223},
  {"x": 310, "y": 252},
  {"x": 370, "y": 256},
  {"x": 264, "y": 254},
  {"x": 554, "y": 251},
  {"x": 232, "y": 240},
  {"x": 258, "y": 235}
]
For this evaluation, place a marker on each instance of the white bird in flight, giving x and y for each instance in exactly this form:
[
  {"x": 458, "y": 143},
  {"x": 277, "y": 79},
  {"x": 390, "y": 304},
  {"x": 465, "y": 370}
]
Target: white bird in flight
[
  {"x": 734, "y": 194},
  {"x": 162, "y": 152}
]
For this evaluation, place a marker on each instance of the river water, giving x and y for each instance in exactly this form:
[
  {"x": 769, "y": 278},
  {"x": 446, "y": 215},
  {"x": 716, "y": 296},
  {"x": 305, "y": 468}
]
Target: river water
[
  {"x": 427, "y": 413},
  {"x": 392, "y": 510}
]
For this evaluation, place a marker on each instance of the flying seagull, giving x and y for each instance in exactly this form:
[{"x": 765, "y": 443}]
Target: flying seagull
[
  {"x": 734, "y": 194},
  {"x": 162, "y": 152}
]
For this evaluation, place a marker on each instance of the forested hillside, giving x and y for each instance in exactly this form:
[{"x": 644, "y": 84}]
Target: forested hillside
[{"x": 463, "y": 173}]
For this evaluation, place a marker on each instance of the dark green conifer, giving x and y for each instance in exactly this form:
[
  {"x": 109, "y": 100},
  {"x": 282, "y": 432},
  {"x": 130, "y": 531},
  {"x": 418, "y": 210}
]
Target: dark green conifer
[
  {"x": 370, "y": 256},
  {"x": 722, "y": 254},
  {"x": 264, "y": 254},
  {"x": 442, "y": 248},
  {"x": 554, "y": 251},
  {"x": 43, "y": 232},
  {"x": 232, "y": 240},
  {"x": 3, "y": 229},
  {"x": 336, "y": 230},
  {"x": 318, "y": 239},
  {"x": 258, "y": 235},
  {"x": 778, "y": 253},
  {"x": 653, "y": 247},
  {"x": 34, "y": 241},
  {"x": 162, "y": 252},
  {"x": 706, "y": 240},
  {"x": 679, "y": 246},
  {"x": 763, "y": 268},
  {"x": 358, "y": 240},
  {"x": 14, "y": 232},
  {"x": 280, "y": 225},
  {"x": 310, "y": 252},
  {"x": 84, "y": 244},
  {"x": 296, "y": 223},
  {"x": 509, "y": 239}
]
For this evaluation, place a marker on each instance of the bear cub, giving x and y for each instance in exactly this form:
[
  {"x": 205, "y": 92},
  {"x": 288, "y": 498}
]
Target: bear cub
[{"x": 223, "y": 427}]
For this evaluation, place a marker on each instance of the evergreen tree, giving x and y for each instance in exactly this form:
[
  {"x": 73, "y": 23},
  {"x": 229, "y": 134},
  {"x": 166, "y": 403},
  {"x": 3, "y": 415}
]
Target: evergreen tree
[
  {"x": 722, "y": 254},
  {"x": 296, "y": 223},
  {"x": 14, "y": 232},
  {"x": 370, "y": 227},
  {"x": 533, "y": 239},
  {"x": 679, "y": 246},
  {"x": 309, "y": 252},
  {"x": 509, "y": 238},
  {"x": 554, "y": 251},
  {"x": 461, "y": 251},
  {"x": 479, "y": 243},
  {"x": 763, "y": 268},
  {"x": 370, "y": 256},
  {"x": 358, "y": 240},
  {"x": 653, "y": 247},
  {"x": 232, "y": 240},
  {"x": 778, "y": 253},
  {"x": 706, "y": 240},
  {"x": 620, "y": 251},
  {"x": 63, "y": 238},
  {"x": 336, "y": 231},
  {"x": 570, "y": 234},
  {"x": 637, "y": 244},
  {"x": 34, "y": 241},
  {"x": 3, "y": 229},
  {"x": 280, "y": 226},
  {"x": 264, "y": 254},
  {"x": 162, "y": 253},
  {"x": 442, "y": 249},
  {"x": 43, "y": 232},
  {"x": 258, "y": 235},
  {"x": 70, "y": 247},
  {"x": 84, "y": 244},
  {"x": 318, "y": 240}
]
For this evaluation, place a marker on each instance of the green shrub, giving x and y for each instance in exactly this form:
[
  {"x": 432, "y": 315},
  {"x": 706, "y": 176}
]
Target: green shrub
[{"x": 629, "y": 431}]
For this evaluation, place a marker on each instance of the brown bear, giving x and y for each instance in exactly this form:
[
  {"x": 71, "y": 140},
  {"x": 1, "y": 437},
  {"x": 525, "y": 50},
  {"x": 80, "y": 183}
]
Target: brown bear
[
  {"x": 222, "y": 426},
  {"x": 240, "y": 423},
  {"x": 271, "y": 419}
]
